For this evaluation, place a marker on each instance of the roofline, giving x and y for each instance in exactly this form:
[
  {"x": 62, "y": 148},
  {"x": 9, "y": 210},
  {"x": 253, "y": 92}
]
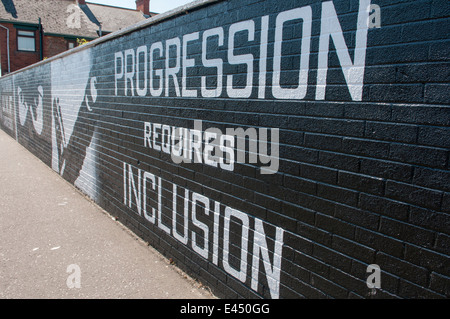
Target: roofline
[
  {"x": 19, "y": 22},
  {"x": 122, "y": 8},
  {"x": 62, "y": 35},
  {"x": 107, "y": 5},
  {"x": 52, "y": 34},
  {"x": 145, "y": 23}
]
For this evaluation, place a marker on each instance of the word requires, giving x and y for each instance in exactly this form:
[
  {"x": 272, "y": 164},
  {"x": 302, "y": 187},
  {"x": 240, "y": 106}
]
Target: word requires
[
  {"x": 206, "y": 216},
  {"x": 154, "y": 69},
  {"x": 214, "y": 148}
]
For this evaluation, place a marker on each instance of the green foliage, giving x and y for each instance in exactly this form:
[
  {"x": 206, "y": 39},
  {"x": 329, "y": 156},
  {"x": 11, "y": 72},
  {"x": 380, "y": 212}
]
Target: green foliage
[{"x": 82, "y": 41}]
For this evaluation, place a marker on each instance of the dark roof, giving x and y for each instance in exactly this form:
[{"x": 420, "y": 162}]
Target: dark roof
[
  {"x": 66, "y": 17},
  {"x": 114, "y": 18}
]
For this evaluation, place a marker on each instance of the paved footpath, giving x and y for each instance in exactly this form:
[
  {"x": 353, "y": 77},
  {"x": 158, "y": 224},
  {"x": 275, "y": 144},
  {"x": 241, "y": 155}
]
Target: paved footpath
[{"x": 55, "y": 243}]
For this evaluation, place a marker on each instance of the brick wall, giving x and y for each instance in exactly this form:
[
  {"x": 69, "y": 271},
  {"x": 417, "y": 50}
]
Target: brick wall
[
  {"x": 54, "y": 45},
  {"x": 356, "y": 170}
]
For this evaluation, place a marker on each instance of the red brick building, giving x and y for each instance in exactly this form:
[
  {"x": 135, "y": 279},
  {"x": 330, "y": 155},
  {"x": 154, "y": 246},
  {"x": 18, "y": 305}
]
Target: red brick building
[{"x": 32, "y": 30}]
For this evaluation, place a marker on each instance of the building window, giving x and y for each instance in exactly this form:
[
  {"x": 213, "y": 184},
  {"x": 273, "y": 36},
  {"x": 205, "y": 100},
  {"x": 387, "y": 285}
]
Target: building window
[{"x": 26, "y": 41}]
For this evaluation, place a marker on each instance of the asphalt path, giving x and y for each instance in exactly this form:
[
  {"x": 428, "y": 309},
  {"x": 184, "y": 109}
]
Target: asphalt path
[{"x": 57, "y": 244}]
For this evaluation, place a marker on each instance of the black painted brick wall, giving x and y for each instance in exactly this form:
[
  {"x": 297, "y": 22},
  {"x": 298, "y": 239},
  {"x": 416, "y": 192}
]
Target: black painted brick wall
[{"x": 359, "y": 182}]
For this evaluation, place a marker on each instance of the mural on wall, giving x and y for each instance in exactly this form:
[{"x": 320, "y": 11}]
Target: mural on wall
[
  {"x": 156, "y": 69},
  {"x": 7, "y": 109},
  {"x": 32, "y": 99},
  {"x": 232, "y": 239},
  {"x": 73, "y": 121},
  {"x": 197, "y": 137}
]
